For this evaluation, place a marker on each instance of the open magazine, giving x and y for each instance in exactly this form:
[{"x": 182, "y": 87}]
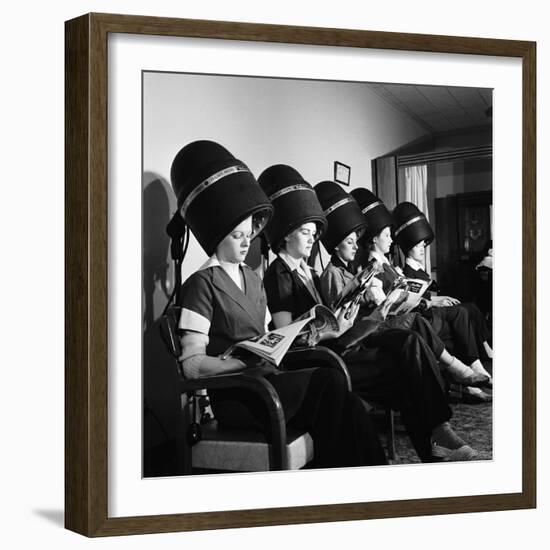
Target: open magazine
[
  {"x": 404, "y": 295},
  {"x": 355, "y": 288},
  {"x": 273, "y": 345}
]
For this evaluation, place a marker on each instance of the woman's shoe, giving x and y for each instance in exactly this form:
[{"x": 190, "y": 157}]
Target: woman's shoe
[
  {"x": 478, "y": 368},
  {"x": 466, "y": 375},
  {"x": 440, "y": 453},
  {"x": 475, "y": 395},
  {"x": 454, "y": 455},
  {"x": 469, "y": 378}
]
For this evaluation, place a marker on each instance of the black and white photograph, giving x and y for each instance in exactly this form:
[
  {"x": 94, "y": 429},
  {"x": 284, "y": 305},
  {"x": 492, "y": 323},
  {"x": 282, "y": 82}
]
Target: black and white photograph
[
  {"x": 274, "y": 275},
  {"x": 317, "y": 267}
]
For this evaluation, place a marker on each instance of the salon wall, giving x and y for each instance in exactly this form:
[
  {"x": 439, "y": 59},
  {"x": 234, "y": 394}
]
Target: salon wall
[{"x": 306, "y": 124}]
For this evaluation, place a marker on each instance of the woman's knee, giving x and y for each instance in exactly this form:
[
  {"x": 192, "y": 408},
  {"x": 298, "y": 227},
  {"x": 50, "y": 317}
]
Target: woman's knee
[{"x": 460, "y": 314}]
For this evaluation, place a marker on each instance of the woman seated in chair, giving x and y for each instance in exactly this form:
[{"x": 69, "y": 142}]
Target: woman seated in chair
[
  {"x": 464, "y": 368},
  {"x": 414, "y": 234},
  {"x": 411, "y": 383},
  {"x": 224, "y": 303}
]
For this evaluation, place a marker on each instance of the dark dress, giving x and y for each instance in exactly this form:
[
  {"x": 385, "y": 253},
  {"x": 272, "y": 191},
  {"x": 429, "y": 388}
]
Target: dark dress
[
  {"x": 461, "y": 327},
  {"x": 316, "y": 400},
  {"x": 394, "y": 367}
]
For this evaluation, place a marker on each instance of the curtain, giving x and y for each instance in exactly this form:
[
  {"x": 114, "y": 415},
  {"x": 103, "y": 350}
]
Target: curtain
[{"x": 416, "y": 191}]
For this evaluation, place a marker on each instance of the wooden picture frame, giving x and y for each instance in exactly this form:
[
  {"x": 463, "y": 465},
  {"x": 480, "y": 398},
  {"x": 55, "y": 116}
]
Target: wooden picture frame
[{"x": 86, "y": 282}]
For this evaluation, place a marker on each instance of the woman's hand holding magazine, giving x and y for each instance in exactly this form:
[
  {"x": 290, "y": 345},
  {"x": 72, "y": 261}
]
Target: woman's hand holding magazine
[
  {"x": 346, "y": 316},
  {"x": 355, "y": 290}
]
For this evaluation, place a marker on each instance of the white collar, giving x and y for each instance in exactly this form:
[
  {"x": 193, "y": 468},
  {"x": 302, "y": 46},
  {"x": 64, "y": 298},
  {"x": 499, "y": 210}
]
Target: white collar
[
  {"x": 414, "y": 264},
  {"x": 379, "y": 257},
  {"x": 214, "y": 262}
]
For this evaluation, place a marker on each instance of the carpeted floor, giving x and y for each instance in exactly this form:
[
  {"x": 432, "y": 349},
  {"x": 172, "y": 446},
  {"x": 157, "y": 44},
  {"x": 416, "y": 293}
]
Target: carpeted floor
[{"x": 473, "y": 423}]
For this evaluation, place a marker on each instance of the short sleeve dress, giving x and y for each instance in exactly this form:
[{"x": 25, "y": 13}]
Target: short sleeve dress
[{"x": 213, "y": 305}]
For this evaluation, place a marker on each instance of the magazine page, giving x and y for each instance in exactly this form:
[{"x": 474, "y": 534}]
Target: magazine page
[
  {"x": 321, "y": 321},
  {"x": 400, "y": 301},
  {"x": 355, "y": 288},
  {"x": 418, "y": 286},
  {"x": 273, "y": 345},
  {"x": 403, "y": 298}
]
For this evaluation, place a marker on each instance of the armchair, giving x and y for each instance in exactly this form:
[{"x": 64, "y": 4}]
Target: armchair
[{"x": 211, "y": 447}]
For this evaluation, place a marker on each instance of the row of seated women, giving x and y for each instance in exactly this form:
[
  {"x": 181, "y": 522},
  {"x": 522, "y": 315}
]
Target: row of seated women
[{"x": 395, "y": 362}]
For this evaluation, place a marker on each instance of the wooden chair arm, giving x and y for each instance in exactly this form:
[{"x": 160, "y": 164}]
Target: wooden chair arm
[{"x": 268, "y": 395}]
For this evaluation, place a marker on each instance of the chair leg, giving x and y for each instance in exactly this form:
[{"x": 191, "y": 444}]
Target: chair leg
[
  {"x": 183, "y": 449},
  {"x": 390, "y": 417}
]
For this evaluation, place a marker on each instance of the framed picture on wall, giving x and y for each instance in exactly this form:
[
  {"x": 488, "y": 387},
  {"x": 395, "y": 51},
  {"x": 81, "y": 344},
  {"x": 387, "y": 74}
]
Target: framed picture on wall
[
  {"x": 342, "y": 173},
  {"x": 135, "y": 423}
]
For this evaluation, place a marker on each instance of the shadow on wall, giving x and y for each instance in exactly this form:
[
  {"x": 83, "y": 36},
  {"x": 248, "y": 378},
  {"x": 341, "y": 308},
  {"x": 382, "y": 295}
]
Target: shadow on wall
[
  {"x": 160, "y": 381},
  {"x": 155, "y": 242}
]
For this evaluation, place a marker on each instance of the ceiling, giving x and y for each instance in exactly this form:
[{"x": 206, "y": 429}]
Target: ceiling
[{"x": 439, "y": 109}]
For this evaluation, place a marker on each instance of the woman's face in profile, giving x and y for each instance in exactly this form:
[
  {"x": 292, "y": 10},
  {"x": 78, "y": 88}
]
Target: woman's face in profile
[
  {"x": 234, "y": 246},
  {"x": 382, "y": 241},
  {"x": 417, "y": 252},
  {"x": 299, "y": 242},
  {"x": 347, "y": 249}
]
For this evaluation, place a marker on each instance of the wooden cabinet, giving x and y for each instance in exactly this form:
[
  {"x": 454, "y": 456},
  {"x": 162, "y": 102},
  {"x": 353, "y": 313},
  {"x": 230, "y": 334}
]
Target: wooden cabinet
[{"x": 463, "y": 231}]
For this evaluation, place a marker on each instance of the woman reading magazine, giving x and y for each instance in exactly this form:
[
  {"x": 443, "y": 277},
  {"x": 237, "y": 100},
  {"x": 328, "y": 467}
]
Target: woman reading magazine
[
  {"x": 376, "y": 242},
  {"x": 461, "y": 323},
  {"x": 224, "y": 303},
  {"x": 407, "y": 380}
]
